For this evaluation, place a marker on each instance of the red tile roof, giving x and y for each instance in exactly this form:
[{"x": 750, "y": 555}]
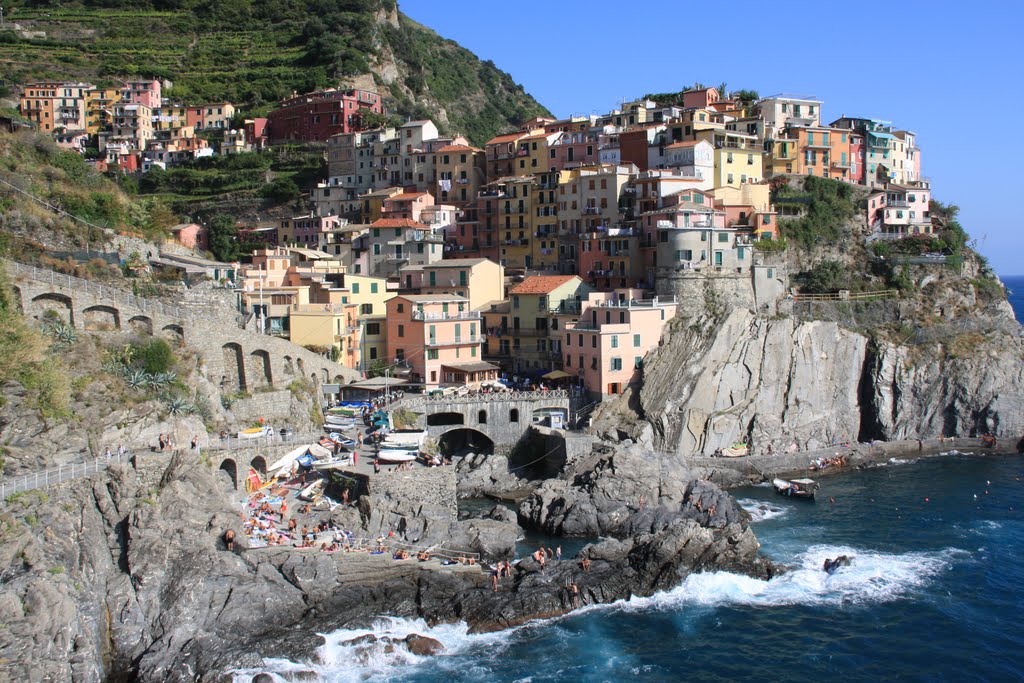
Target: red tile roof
[
  {"x": 511, "y": 137},
  {"x": 541, "y": 284},
  {"x": 397, "y": 223},
  {"x": 406, "y": 196}
]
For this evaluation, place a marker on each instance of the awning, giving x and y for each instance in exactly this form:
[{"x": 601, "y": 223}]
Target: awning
[
  {"x": 478, "y": 366},
  {"x": 886, "y": 136},
  {"x": 556, "y": 374}
]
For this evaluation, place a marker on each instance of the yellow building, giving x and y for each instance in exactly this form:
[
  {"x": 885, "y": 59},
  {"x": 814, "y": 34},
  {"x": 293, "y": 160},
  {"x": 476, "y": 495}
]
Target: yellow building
[
  {"x": 479, "y": 280},
  {"x": 737, "y": 166},
  {"x": 756, "y": 195},
  {"x": 534, "y": 155},
  {"x": 99, "y": 108},
  {"x": 370, "y": 296},
  {"x": 783, "y": 157},
  {"x": 373, "y": 203},
  {"x": 460, "y": 174},
  {"x": 515, "y": 221}
]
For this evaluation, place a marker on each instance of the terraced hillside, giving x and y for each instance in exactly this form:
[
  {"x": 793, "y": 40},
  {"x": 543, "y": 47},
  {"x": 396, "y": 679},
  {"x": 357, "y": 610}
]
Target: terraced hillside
[{"x": 254, "y": 53}]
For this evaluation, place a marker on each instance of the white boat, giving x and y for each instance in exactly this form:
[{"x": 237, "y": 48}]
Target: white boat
[
  {"x": 285, "y": 463},
  {"x": 405, "y": 438},
  {"x": 333, "y": 463},
  {"x": 796, "y": 488},
  {"x": 396, "y": 455},
  {"x": 339, "y": 421},
  {"x": 319, "y": 452},
  {"x": 312, "y": 491}
]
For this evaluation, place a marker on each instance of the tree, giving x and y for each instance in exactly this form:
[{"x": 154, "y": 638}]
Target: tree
[
  {"x": 280, "y": 190},
  {"x": 746, "y": 96},
  {"x": 223, "y": 242}
]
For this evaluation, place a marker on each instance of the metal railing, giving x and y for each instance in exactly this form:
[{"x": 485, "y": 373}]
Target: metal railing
[
  {"x": 48, "y": 477},
  {"x": 81, "y": 286},
  {"x": 492, "y": 397}
]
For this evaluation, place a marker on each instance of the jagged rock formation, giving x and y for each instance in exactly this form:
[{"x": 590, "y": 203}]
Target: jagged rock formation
[
  {"x": 126, "y": 576},
  {"x": 779, "y": 382}
]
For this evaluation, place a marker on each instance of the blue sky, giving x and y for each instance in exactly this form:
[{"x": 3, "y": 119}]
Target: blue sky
[{"x": 949, "y": 72}]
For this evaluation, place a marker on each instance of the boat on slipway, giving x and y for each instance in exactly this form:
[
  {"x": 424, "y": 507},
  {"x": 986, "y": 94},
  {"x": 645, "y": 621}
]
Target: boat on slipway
[
  {"x": 796, "y": 488},
  {"x": 397, "y": 455}
]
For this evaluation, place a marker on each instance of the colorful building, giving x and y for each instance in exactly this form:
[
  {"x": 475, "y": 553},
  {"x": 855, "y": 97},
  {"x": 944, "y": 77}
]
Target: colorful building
[
  {"x": 480, "y": 281},
  {"x": 606, "y": 347},
  {"x": 316, "y": 116},
  {"x": 437, "y": 338},
  {"x": 535, "y": 323}
]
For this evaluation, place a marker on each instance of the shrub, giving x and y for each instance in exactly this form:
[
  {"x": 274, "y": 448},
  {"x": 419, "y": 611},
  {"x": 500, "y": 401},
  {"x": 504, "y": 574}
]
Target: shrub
[{"x": 155, "y": 356}]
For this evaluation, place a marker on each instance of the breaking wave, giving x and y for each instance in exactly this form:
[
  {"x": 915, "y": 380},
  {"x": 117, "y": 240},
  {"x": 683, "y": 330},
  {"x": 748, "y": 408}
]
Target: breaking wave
[{"x": 761, "y": 510}]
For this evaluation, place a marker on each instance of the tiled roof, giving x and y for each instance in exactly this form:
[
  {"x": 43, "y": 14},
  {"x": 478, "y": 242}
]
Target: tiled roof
[
  {"x": 678, "y": 145},
  {"x": 511, "y": 137},
  {"x": 458, "y": 148},
  {"x": 541, "y": 284},
  {"x": 407, "y": 196},
  {"x": 397, "y": 223}
]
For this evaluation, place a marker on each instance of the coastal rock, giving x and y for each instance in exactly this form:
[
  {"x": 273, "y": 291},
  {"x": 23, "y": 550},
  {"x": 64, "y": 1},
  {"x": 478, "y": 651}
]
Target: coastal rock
[
  {"x": 491, "y": 538},
  {"x": 423, "y": 646},
  {"x": 628, "y": 492},
  {"x": 482, "y": 474}
]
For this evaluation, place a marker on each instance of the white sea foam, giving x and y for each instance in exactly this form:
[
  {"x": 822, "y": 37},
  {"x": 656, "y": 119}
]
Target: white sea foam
[
  {"x": 761, "y": 510},
  {"x": 341, "y": 661},
  {"x": 872, "y": 578},
  {"x": 903, "y": 461}
]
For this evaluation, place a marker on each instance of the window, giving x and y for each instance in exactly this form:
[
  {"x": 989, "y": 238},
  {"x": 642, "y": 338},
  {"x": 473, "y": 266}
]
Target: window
[
  {"x": 593, "y": 363},
  {"x": 638, "y": 362},
  {"x": 593, "y": 342},
  {"x": 401, "y": 308},
  {"x": 432, "y": 354},
  {"x": 366, "y": 309},
  {"x": 372, "y": 328},
  {"x": 723, "y": 237},
  {"x": 373, "y": 288},
  {"x": 513, "y": 415},
  {"x": 616, "y": 364},
  {"x": 636, "y": 340},
  {"x": 729, "y": 180},
  {"x": 401, "y": 330},
  {"x": 376, "y": 250},
  {"x": 355, "y": 287},
  {"x": 615, "y": 341},
  {"x": 481, "y": 417},
  {"x": 703, "y": 236}
]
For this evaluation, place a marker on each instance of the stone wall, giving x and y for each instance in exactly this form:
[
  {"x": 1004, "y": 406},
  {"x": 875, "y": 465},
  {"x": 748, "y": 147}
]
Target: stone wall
[
  {"x": 272, "y": 405},
  {"x": 432, "y": 486}
]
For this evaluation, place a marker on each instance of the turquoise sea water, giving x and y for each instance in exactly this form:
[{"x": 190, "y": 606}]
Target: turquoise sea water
[
  {"x": 935, "y": 593},
  {"x": 1015, "y": 283}
]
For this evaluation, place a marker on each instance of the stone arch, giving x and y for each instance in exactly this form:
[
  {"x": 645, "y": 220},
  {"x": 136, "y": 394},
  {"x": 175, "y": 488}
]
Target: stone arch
[
  {"x": 234, "y": 367},
  {"x": 101, "y": 317},
  {"x": 60, "y": 304},
  {"x": 513, "y": 415},
  {"x": 338, "y": 379},
  {"x": 141, "y": 324},
  {"x": 460, "y": 438},
  {"x": 301, "y": 365},
  {"x": 443, "y": 419},
  {"x": 174, "y": 333},
  {"x": 326, "y": 375},
  {"x": 289, "y": 366},
  {"x": 262, "y": 374},
  {"x": 481, "y": 417},
  {"x": 259, "y": 463},
  {"x": 231, "y": 468}
]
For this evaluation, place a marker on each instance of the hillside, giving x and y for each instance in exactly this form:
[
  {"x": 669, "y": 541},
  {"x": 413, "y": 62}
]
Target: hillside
[{"x": 255, "y": 53}]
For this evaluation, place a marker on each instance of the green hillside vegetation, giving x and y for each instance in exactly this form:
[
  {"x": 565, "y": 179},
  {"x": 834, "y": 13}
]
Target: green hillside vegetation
[
  {"x": 34, "y": 171},
  {"x": 255, "y": 53}
]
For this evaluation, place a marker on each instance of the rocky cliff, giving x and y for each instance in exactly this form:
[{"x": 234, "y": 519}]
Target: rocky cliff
[
  {"x": 126, "y": 578},
  {"x": 793, "y": 381}
]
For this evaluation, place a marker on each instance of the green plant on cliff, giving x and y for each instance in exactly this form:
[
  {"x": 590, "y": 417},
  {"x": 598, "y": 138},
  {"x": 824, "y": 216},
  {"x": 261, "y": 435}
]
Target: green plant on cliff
[
  {"x": 25, "y": 359},
  {"x": 827, "y": 205}
]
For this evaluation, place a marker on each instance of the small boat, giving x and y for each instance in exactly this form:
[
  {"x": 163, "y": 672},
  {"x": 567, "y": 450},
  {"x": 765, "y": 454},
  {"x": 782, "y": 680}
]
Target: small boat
[
  {"x": 737, "y": 450},
  {"x": 397, "y": 455},
  {"x": 285, "y": 463},
  {"x": 320, "y": 452},
  {"x": 312, "y": 491},
  {"x": 408, "y": 438},
  {"x": 796, "y": 488},
  {"x": 339, "y": 421},
  {"x": 255, "y": 432},
  {"x": 334, "y": 463}
]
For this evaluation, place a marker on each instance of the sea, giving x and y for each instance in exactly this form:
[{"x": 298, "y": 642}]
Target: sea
[
  {"x": 1015, "y": 283},
  {"x": 935, "y": 592}
]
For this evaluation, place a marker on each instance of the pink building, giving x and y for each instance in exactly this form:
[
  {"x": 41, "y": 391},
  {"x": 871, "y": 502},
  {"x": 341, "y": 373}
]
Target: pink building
[
  {"x": 438, "y": 338},
  {"x": 142, "y": 92},
  {"x": 856, "y": 158},
  {"x": 409, "y": 205},
  {"x": 190, "y": 235},
  {"x": 901, "y": 209},
  {"x": 606, "y": 348}
]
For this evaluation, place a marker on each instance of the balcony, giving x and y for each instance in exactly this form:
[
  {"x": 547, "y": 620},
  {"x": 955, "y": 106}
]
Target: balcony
[
  {"x": 458, "y": 315},
  {"x": 434, "y": 342},
  {"x": 898, "y": 204}
]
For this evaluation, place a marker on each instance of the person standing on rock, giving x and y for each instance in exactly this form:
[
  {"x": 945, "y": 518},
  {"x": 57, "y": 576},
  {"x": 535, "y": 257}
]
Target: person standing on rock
[
  {"x": 376, "y": 466},
  {"x": 229, "y": 539},
  {"x": 495, "y": 573},
  {"x": 558, "y": 553}
]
